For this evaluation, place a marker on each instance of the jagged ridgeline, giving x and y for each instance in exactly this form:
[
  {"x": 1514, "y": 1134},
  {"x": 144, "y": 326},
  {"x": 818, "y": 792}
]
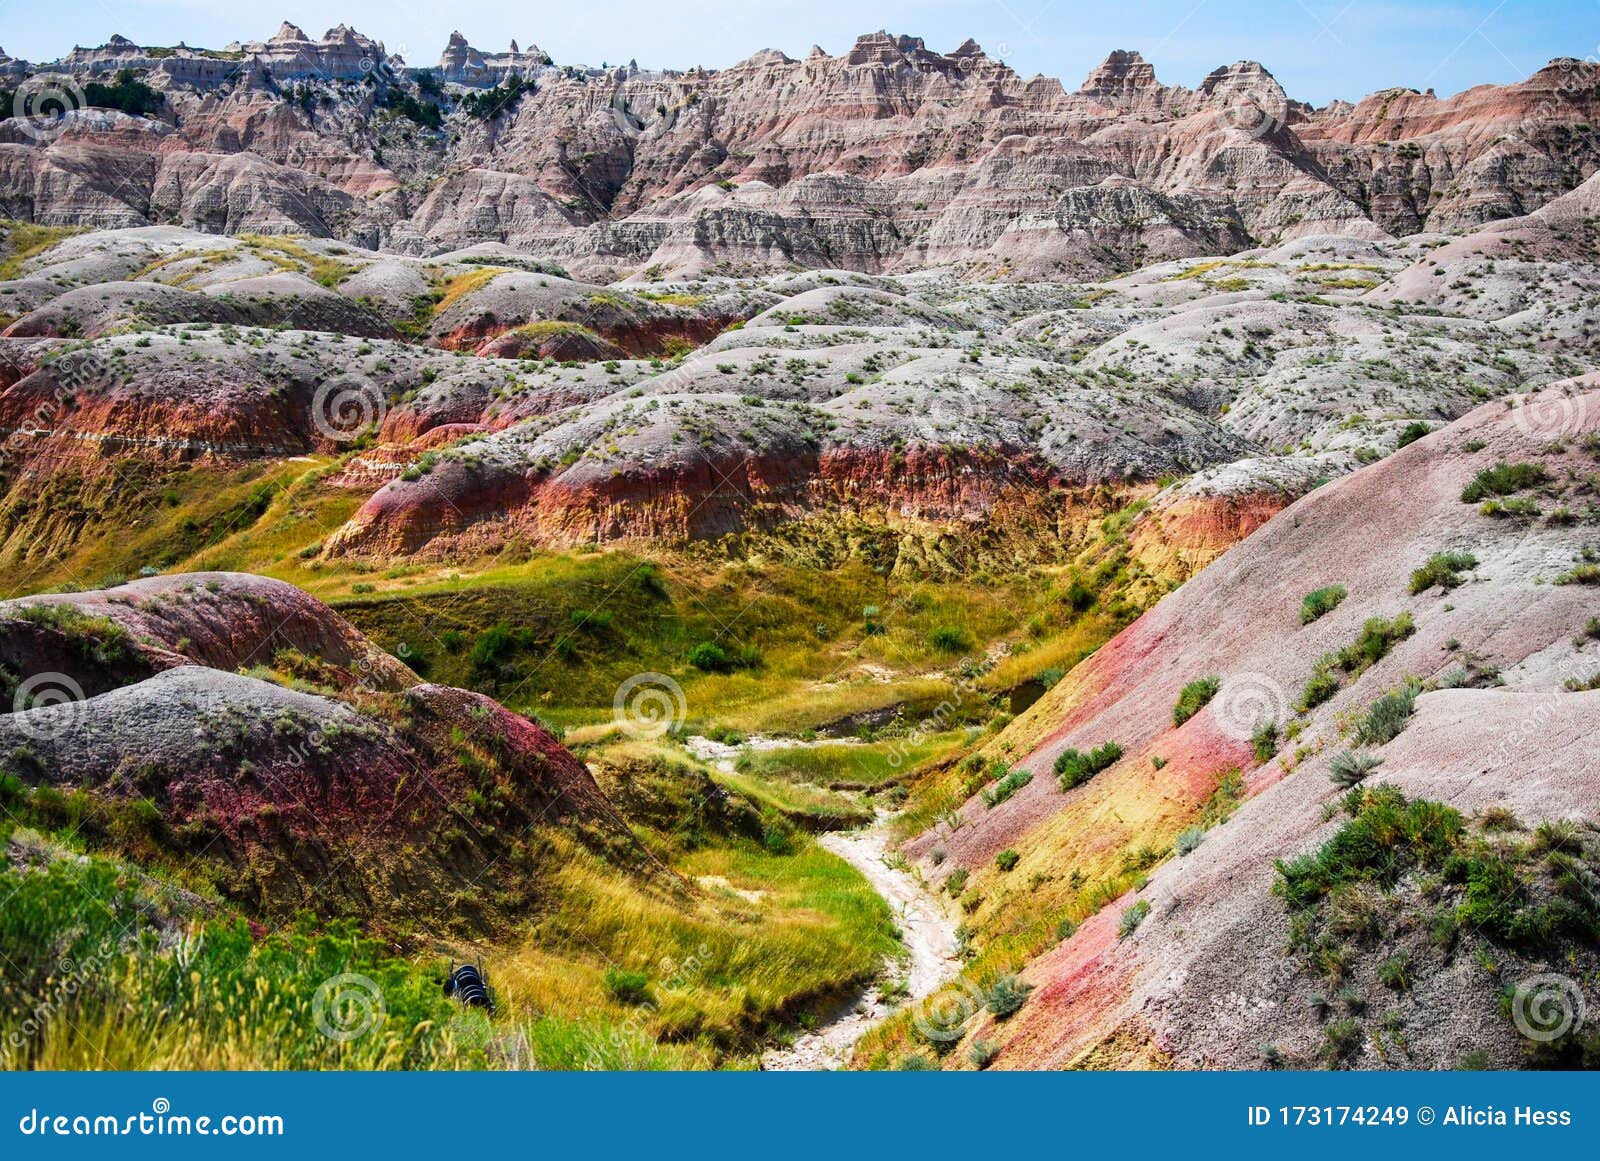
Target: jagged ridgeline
[
  {"x": 953, "y": 159},
  {"x": 625, "y": 529}
]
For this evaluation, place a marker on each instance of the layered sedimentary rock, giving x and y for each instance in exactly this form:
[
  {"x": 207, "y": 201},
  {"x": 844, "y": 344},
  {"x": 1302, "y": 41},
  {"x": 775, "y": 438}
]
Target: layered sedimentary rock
[
  {"x": 1496, "y": 669},
  {"x": 361, "y": 787},
  {"x": 889, "y": 157}
]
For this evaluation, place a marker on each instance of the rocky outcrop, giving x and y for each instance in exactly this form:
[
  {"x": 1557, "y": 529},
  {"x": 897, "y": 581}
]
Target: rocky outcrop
[
  {"x": 889, "y": 157},
  {"x": 359, "y": 791},
  {"x": 461, "y": 64}
]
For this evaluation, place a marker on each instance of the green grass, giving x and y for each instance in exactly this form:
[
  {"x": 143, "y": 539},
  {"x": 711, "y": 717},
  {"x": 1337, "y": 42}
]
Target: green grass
[
  {"x": 1132, "y": 916},
  {"x": 1264, "y": 741},
  {"x": 229, "y": 1001},
  {"x": 24, "y": 240},
  {"x": 811, "y": 807},
  {"x": 1442, "y": 569},
  {"x": 1502, "y": 480},
  {"x": 1320, "y": 602},
  {"x": 862, "y": 766},
  {"x": 1194, "y": 697},
  {"x": 1387, "y": 836},
  {"x": 1401, "y": 866},
  {"x": 1008, "y": 784},
  {"x": 1387, "y": 716},
  {"x": 1377, "y": 639},
  {"x": 1075, "y": 767},
  {"x": 1351, "y": 766}
]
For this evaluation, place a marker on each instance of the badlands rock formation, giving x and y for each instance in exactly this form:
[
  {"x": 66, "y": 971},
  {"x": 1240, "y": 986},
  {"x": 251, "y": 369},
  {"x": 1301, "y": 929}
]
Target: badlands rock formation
[
  {"x": 1219, "y": 966},
  {"x": 282, "y": 749},
  {"x": 887, "y": 158},
  {"x": 925, "y": 406}
]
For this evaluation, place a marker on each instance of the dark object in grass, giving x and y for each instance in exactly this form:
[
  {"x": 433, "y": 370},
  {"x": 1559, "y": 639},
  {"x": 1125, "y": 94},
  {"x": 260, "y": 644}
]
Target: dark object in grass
[{"x": 468, "y": 985}]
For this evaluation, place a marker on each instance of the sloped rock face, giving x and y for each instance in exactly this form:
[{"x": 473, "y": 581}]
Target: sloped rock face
[
  {"x": 889, "y": 157},
  {"x": 1502, "y": 663},
  {"x": 362, "y": 791},
  {"x": 225, "y": 621}
]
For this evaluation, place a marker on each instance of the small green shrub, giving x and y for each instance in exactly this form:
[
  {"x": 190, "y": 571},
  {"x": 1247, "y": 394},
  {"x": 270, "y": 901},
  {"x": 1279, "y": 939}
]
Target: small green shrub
[
  {"x": 1320, "y": 686},
  {"x": 1264, "y": 741},
  {"x": 1320, "y": 602},
  {"x": 1074, "y": 767},
  {"x": 1411, "y": 433},
  {"x": 1014, "y": 780},
  {"x": 982, "y": 1053},
  {"x": 1195, "y": 697},
  {"x": 1005, "y": 996},
  {"x": 1131, "y": 918},
  {"x": 1395, "y": 972},
  {"x": 627, "y": 987},
  {"x": 709, "y": 657},
  {"x": 1350, "y": 767},
  {"x": 949, "y": 639},
  {"x": 1188, "y": 840},
  {"x": 956, "y": 883},
  {"x": 1502, "y": 480},
  {"x": 1443, "y": 569},
  {"x": 1517, "y": 506},
  {"x": 1387, "y": 716},
  {"x": 1340, "y": 1040},
  {"x": 1007, "y": 860}
]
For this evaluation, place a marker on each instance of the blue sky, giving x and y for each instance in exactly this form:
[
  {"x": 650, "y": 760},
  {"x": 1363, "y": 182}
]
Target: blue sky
[{"x": 1318, "y": 49}]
